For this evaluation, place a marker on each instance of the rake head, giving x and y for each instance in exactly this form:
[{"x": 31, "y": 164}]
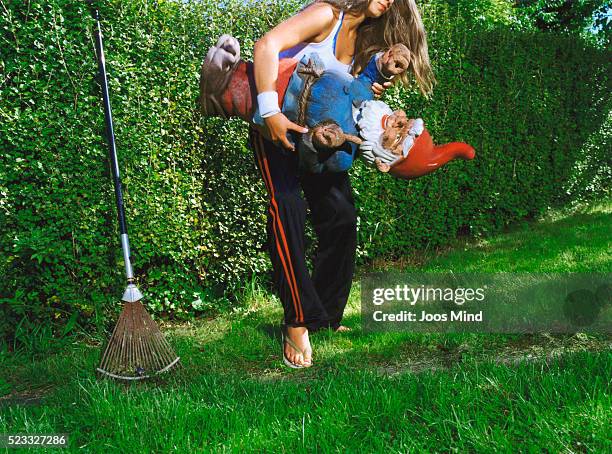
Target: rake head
[{"x": 137, "y": 349}]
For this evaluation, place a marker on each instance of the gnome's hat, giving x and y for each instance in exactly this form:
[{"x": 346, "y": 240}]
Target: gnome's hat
[{"x": 424, "y": 157}]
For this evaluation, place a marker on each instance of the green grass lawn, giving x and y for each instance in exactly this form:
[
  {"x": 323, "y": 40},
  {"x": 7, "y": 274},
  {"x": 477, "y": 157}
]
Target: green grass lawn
[{"x": 384, "y": 392}]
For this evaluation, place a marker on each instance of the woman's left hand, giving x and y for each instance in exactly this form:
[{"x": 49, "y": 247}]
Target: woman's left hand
[{"x": 380, "y": 89}]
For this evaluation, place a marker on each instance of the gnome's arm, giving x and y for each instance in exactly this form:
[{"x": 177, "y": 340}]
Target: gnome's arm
[{"x": 384, "y": 66}]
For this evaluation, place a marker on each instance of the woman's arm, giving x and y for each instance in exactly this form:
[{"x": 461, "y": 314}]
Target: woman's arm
[{"x": 310, "y": 25}]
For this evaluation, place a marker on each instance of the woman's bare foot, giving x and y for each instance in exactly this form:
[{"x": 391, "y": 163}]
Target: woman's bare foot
[
  {"x": 343, "y": 329},
  {"x": 299, "y": 336}
]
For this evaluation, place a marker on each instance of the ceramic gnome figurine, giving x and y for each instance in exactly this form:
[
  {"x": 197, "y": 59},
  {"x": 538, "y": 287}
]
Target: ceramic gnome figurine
[{"x": 343, "y": 119}]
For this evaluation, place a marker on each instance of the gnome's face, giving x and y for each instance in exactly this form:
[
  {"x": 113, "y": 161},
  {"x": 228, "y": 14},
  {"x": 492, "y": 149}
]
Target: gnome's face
[
  {"x": 395, "y": 130},
  {"x": 388, "y": 135}
]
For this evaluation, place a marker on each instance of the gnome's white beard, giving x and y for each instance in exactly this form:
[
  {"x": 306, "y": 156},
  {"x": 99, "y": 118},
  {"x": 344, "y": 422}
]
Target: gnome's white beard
[
  {"x": 369, "y": 117},
  {"x": 370, "y": 124}
]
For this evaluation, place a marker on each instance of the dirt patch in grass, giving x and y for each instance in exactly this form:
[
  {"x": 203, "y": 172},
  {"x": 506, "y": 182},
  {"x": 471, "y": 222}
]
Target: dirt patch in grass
[{"x": 25, "y": 397}]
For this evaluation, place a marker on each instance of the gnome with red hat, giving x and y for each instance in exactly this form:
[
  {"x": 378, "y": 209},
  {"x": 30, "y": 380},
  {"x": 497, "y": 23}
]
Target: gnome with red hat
[
  {"x": 343, "y": 118},
  {"x": 402, "y": 146}
]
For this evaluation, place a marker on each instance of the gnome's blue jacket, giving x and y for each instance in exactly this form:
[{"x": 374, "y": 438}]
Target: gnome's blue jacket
[{"x": 333, "y": 97}]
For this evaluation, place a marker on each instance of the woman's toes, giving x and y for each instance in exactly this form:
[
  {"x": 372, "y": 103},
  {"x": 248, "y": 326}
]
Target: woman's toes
[
  {"x": 308, "y": 357},
  {"x": 298, "y": 359},
  {"x": 343, "y": 329},
  {"x": 293, "y": 356},
  {"x": 290, "y": 354}
]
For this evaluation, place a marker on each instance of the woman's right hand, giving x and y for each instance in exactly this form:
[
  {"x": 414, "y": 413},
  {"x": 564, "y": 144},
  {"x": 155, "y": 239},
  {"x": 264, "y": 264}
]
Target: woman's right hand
[{"x": 278, "y": 125}]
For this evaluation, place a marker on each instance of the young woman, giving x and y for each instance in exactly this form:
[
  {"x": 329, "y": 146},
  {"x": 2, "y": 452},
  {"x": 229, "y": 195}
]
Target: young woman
[{"x": 345, "y": 33}]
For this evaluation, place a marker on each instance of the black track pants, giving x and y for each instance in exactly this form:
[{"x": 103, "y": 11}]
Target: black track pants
[{"x": 319, "y": 300}]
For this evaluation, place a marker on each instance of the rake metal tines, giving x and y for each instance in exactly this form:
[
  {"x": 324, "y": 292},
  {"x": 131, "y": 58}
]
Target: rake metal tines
[{"x": 137, "y": 349}]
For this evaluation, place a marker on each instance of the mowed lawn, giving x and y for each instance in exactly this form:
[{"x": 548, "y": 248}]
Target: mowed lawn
[{"x": 367, "y": 392}]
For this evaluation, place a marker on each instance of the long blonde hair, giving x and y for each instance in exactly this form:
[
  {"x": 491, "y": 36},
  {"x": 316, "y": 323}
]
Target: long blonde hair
[{"x": 402, "y": 23}]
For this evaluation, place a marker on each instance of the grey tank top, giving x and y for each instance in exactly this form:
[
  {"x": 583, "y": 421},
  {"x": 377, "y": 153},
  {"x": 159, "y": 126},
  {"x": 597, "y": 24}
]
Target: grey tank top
[{"x": 326, "y": 50}]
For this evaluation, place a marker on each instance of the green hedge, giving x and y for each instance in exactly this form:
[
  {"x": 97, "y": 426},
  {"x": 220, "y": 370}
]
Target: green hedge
[{"x": 528, "y": 102}]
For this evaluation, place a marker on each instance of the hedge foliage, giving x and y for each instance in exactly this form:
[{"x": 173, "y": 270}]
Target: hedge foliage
[{"x": 529, "y": 102}]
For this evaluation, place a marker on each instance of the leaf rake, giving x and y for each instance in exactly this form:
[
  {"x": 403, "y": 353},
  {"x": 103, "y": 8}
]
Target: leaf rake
[{"x": 137, "y": 349}]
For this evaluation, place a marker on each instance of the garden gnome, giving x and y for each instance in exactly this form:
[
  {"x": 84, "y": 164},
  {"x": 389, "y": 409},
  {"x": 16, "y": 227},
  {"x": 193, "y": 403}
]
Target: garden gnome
[{"x": 343, "y": 119}]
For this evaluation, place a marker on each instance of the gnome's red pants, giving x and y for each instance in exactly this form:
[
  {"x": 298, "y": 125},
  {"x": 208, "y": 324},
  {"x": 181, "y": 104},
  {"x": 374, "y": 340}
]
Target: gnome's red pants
[
  {"x": 316, "y": 301},
  {"x": 240, "y": 97}
]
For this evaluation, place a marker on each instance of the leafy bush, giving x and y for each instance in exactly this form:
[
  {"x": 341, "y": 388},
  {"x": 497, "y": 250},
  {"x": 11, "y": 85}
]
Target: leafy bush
[{"x": 528, "y": 102}]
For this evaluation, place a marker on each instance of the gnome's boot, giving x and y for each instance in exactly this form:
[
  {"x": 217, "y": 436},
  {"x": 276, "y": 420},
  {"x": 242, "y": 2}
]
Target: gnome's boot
[
  {"x": 227, "y": 84},
  {"x": 217, "y": 70}
]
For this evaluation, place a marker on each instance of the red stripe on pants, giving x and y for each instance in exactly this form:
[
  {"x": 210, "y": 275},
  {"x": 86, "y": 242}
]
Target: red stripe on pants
[{"x": 278, "y": 227}]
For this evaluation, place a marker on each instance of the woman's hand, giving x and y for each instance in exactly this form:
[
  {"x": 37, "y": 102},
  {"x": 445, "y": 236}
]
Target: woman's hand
[
  {"x": 278, "y": 125},
  {"x": 380, "y": 89}
]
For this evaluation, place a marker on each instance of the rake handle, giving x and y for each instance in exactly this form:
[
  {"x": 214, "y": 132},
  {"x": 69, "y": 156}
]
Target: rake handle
[
  {"x": 110, "y": 139},
  {"x": 110, "y": 132}
]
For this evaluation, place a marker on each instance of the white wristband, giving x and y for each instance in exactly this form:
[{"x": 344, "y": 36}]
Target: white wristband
[
  {"x": 269, "y": 114},
  {"x": 268, "y": 103}
]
